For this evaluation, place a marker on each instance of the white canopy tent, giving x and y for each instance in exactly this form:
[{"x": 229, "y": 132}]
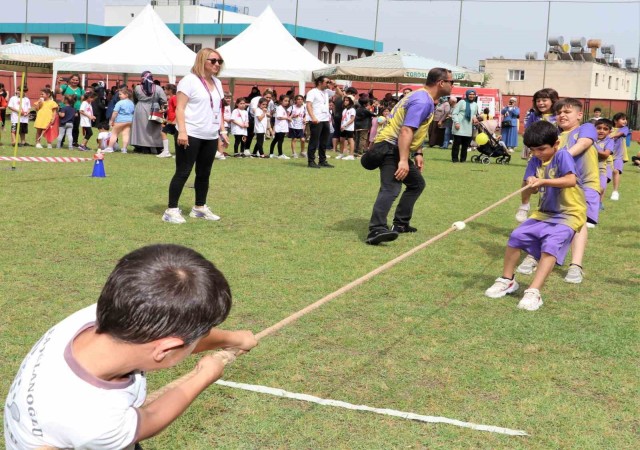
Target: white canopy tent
[
  {"x": 267, "y": 51},
  {"x": 145, "y": 44}
]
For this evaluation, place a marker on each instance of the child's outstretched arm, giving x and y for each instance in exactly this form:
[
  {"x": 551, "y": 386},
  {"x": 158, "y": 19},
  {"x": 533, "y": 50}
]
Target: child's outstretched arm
[
  {"x": 566, "y": 181},
  {"x": 581, "y": 146},
  {"x": 241, "y": 339}
]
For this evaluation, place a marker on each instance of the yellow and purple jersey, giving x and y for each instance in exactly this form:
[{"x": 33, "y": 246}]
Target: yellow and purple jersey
[
  {"x": 586, "y": 162},
  {"x": 601, "y": 146},
  {"x": 620, "y": 144},
  {"x": 566, "y": 206},
  {"x": 414, "y": 110}
]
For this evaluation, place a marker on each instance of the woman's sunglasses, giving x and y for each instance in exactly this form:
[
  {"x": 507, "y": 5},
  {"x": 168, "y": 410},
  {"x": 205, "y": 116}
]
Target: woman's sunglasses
[{"x": 215, "y": 60}]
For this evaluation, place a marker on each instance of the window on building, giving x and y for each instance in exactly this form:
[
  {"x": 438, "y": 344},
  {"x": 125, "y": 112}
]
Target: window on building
[
  {"x": 221, "y": 41},
  {"x": 596, "y": 83},
  {"x": 68, "y": 47},
  {"x": 609, "y": 83},
  {"x": 617, "y": 83},
  {"x": 42, "y": 41},
  {"x": 194, "y": 47},
  {"x": 324, "y": 57},
  {"x": 351, "y": 57},
  {"x": 516, "y": 75},
  {"x": 336, "y": 58}
]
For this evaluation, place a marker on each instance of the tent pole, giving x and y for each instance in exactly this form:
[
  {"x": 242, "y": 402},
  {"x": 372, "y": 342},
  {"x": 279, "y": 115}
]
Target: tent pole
[
  {"x": 15, "y": 81},
  {"x": 232, "y": 88},
  {"x": 302, "y": 87},
  {"x": 15, "y": 146}
]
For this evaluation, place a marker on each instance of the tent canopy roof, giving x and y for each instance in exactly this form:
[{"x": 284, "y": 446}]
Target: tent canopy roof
[
  {"x": 266, "y": 50},
  {"x": 25, "y": 54},
  {"x": 400, "y": 67},
  {"x": 145, "y": 44}
]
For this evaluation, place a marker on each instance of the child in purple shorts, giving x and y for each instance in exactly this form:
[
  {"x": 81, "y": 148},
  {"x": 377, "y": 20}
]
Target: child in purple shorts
[
  {"x": 619, "y": 135},
  {"x": 604, "y": 146},
  {"x": 548, "y": 233}
]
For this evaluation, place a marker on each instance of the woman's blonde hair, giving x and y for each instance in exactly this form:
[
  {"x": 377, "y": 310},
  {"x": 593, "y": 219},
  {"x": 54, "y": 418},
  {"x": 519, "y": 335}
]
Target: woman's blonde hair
[{"x": 201, "y": 60}]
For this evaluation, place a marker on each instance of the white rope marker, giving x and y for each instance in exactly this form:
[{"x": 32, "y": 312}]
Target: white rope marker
[{"x": 382, "y": 411}]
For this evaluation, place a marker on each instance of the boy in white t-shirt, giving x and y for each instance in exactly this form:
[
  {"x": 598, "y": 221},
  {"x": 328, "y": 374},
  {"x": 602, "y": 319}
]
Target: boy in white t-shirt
[
  {"x": 86, "y": 116},
  {"x": 19, "y": 117},
  {"x": 83, "y": 384}
]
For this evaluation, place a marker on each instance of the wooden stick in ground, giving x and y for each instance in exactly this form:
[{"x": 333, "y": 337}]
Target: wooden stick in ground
[{"x": 295, "y": 316}]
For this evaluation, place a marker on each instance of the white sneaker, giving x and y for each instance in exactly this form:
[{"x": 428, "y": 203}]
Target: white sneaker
[
  {"x": 531, "y": 300},
  {"x": 272, "y": 156},
  {"x": 591, "y": 225},
  {"x": 283, "y": 156},
  {"x": 574, "y": 274},
  {"x": 49, "y": 146},
  {"x": 247, "y": 153},
  {"x": 107, "y": 150},
  {"x": 203, "y": 213},
  {"x": 173, "y": 215},
  {"x": 328, "y": 156},
  {"x": 220, "y": 156},
  {"x": 502, "y": 287},
  {"x": 38, "y": 145},
  {"x": 123, "y": 152},
  {"x": 523, "y": 213},
  {"x": 528, "y": 265},
  {"x": 615, "y": 195},
  {"x": 303, "y": 154},
  {"x": 339, "y": 156},
  {"x": 349, "y": 158},
  {"x": 295, "y": 156},
  {"x": 164, "y": 155}
]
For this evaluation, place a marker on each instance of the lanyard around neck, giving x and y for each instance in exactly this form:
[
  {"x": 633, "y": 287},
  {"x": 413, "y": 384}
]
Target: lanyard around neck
[{"x": 204, "y": 83}]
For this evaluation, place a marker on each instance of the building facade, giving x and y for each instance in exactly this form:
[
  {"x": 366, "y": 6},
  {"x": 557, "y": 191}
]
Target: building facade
[{"x": 73, "y": 26}]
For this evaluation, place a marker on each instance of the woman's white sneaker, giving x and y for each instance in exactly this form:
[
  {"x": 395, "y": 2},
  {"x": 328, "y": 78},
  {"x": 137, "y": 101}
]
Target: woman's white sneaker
[
  {"x": 203, "y": 213},
  {"x": 173, "y": 215}
]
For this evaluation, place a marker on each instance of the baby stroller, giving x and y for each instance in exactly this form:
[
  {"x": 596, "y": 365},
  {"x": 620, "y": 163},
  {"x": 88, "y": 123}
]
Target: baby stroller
[{"x": 488, "y": 146}]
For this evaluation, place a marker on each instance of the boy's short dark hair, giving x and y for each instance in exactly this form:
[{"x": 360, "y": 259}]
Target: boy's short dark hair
[
  {"x": 540, "y": 133},
  {"x": 607, "y": 122},
  {"x": 597, "y": 109},
  {"x": 103, "y": 126},
  {"x": 619, "y": 116},
  {"x": 162, "y": 290},
  {"x": 573, "y": 103}
]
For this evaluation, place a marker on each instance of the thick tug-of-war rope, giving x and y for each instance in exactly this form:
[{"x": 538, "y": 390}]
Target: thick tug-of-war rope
[
  {"x": 228, "y": 356},
  {"x": 50, "y": 159}
]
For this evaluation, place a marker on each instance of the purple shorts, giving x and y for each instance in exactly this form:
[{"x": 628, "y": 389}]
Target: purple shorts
[
  {"x": 617, "y": 165},
  {"x": 536, "y": 237},
  {"x": 593, "y": 204}
]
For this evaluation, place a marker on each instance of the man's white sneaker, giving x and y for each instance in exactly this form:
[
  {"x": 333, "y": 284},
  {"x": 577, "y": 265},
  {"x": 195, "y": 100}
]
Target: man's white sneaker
[
  {"x": 574, "y": 274},
  {"x": 38, "y": 145},
  {"x": 173, "y": 215},
  {"x": 349, "y": 158},
  {"x": 615, "y": 195},
  {"x": 203, "y": 213},
  {"x": 528, "y": 265},
  {"x": 164, "y": 155},
  {"x": 523, "y": 213},
  {"x": 531, "y": 300},
  {"x": 502, "y": 287},
  {"x": 283, "y": 157}
]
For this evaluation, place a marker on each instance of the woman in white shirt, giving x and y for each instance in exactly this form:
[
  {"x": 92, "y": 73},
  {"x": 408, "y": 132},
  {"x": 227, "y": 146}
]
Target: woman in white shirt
[{"x": 199, "y": 115}]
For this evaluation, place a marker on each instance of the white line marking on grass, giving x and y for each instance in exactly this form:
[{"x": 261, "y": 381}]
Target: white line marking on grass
[{"x": 383, "y": 411}]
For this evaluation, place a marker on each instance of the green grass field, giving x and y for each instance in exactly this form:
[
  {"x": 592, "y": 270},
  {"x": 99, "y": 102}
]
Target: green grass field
[{"x": 420, "y": 337}]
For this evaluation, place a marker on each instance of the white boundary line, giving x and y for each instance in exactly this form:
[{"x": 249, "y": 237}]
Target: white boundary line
[{"x": 383, "y": 411}]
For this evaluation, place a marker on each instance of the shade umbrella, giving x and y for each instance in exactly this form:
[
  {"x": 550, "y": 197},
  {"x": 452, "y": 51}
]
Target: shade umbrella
[
  {"x": 394, "y": 67},
  {"x": 25, "y": 56}
]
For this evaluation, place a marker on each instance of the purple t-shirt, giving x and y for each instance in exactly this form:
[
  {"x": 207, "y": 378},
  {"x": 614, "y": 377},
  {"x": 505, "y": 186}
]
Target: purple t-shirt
[
  {"x": 414, "y": 110},
  {"x": 620, "y": 143},
  {"x": 533, "y": 118},
  {"x": 587, "y": 161},
  {"x": 566, "y": 206}
]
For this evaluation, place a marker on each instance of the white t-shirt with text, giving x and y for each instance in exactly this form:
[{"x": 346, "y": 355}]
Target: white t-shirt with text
[{"x": 297, "y": 114}]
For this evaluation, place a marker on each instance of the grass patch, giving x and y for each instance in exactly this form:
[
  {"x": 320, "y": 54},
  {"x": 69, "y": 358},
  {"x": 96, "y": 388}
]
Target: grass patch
[{"x": 420, "y": 337}]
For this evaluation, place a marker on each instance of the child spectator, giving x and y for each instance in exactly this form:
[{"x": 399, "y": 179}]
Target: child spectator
[
  {"x": 604, "y": 145},
  {"x": 66, "y": 114},
  {"x": 169, "y": 127},
  {"x": 160, "y": 304},
  {"x": 619, "y": 135},
  {"x": 297, "y": 112},
  {"x": 597, "y": 115},
  {"x": 260, "y": 125},
  {"x": 281, "y": 127},
  {"x": 543, "y": 102},
  {"x": 121, "y": 119},
  {"x": 226, "y": 117},
  {"x": 378, "y": 124},
  {"x": 19, "y": 117},
  {"x": 347, "y": 128},
  {"x": 561, "y": 213},
  {"x": 364, "y": 112},
  {"x": 86, "y": 116},
  {"x": 104, "y": 136},
  {"x": 46, "y": 117},
  {"x": 239, "y": 125}
]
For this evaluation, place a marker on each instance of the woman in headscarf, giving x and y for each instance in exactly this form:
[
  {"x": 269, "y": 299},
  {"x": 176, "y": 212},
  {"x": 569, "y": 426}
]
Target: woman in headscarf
[
  {"x": 510, "y": 115},
  {"x": 464, "y": 116},
  {"x": 146, "y": 135}
]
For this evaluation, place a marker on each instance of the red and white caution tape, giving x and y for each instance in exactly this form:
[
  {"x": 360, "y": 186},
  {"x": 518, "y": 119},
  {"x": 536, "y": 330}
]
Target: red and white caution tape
[{"x": 50, "y": 159}]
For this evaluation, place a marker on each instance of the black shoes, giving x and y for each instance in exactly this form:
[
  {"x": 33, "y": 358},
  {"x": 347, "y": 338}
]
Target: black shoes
[
  {"x": 313, "y": 165},
  {"x": 325, "y": 165},
  {"x": 375, "y": 237},
  {"x": 404, "y": 229},
  {"x": 322, "y": 165}
]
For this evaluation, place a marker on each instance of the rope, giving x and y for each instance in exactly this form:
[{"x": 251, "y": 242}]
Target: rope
[
  {"x": 229, "y": 355},
  {"x": 52, "y": 159}
]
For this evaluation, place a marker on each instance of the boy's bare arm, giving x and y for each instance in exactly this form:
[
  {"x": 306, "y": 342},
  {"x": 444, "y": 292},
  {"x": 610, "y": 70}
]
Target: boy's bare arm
[
  {"x": 241, "y": 339},
  {"x": 566, "y": 181},
  {"x": 602, "y": 155},
  {"x": 580, "y": 146}
]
